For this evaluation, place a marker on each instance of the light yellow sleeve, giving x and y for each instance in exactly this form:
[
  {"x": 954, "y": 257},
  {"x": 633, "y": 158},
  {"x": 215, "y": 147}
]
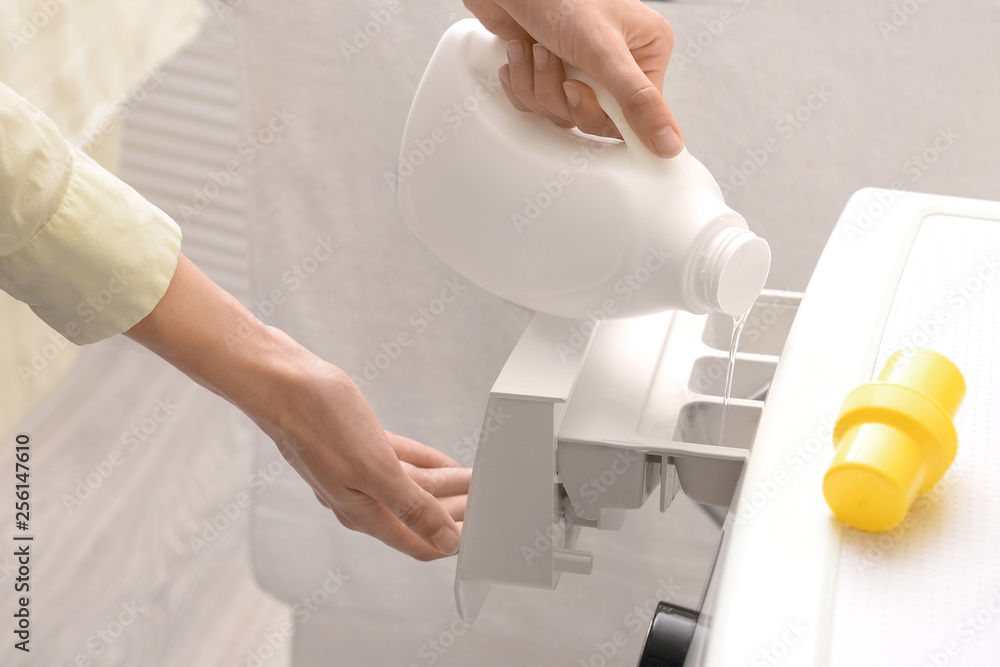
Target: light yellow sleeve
[{"x": 85, "y": 251}]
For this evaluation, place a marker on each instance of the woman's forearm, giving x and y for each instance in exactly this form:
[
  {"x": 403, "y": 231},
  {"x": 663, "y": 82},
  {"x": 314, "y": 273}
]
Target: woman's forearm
[
  {"x": 202, "y": 330},
  {"x": 406, "y": 494}
]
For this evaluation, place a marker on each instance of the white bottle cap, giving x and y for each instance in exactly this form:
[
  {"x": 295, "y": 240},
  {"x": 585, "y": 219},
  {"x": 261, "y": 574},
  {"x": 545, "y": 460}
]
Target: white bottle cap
[{"x": 738, "y": 264}]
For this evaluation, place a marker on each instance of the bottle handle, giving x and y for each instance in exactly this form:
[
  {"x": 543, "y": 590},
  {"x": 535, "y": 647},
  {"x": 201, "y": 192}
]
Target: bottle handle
[
  {"x": 636, "y": 148},
  {"x": 491, "y": 54}
]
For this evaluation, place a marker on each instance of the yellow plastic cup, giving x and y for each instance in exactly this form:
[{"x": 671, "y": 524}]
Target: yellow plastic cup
[{"x": 894, "y": 438}]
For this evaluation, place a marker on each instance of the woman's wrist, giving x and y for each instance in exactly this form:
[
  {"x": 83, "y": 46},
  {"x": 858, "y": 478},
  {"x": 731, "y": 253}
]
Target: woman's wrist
[
  {"x": 279, "y": 383},
  {"x": 207, "y": 334},
  {"x": 257, "y": 371}
]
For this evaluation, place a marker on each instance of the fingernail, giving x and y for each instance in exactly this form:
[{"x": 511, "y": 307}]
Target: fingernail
[
  {"x": 541, "y": 55},
  {"x": 446, "y": 541},
  {"x": 572, "y": 94},
  {"x": 515, "y": 51},
  {"x": 667, "y": 143}
]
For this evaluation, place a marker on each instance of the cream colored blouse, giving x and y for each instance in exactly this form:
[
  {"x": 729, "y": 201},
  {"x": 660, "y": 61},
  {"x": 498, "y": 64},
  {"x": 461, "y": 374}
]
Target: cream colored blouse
[{"x": 85, "y": 251}]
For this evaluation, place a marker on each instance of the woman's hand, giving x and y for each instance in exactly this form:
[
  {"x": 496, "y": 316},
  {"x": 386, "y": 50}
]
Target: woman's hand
[
  {"x": 395, "y": 489},
  {"x": 406, "y": 494},
  {"x": 623, "y": 44}
]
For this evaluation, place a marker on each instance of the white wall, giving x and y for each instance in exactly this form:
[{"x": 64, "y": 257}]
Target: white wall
[{"x": 892, "y": 89}]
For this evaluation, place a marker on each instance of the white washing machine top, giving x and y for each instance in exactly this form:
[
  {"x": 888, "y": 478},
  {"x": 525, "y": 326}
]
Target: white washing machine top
[{"x": 793, "y": 585}]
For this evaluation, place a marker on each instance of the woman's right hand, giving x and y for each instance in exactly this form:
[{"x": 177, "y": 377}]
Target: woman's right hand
[{"x": 623, "y": 44}]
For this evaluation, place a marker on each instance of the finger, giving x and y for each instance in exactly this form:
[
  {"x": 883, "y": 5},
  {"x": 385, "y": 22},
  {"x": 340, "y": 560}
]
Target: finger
[
  {"x": 455, "y": 506},
  {"x": 549, "y": 76},
  {"x": 504, "y": 73},
  {"x": 639, "y": 90},
  {"x": 322, "y": 502},
  {"x": 373, "y": 518},
  {"x": 587, "y": 113},
  {"x": 495, "y": 19},
  {"x": 440, "y": 482},
  {"x": 522, "y": 79},
  {"x": 415, "y": 508},
  {"x": 522, "y": 76},
  {"x": 648, "y": 114},
  {"x": 419, "y": 454}
]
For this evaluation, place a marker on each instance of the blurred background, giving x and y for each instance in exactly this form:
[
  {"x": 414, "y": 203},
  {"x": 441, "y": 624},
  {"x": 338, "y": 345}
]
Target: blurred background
[{"x": 169, "y": 531}]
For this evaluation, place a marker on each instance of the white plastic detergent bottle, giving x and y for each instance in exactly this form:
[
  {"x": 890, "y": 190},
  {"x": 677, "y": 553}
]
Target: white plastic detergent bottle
[{"x": 558, "y": 221}]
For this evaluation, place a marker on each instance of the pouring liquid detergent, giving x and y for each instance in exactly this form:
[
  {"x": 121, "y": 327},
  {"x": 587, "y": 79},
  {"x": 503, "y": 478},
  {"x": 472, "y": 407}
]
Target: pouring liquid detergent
[
  {"x": 734, "y": 343},
  {"x": 558, "y": 221}
]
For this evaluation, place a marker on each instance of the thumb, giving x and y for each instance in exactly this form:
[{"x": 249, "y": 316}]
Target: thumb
[
  {"x": 645, "y": 110},
  {"x": 418, "y": 510}
]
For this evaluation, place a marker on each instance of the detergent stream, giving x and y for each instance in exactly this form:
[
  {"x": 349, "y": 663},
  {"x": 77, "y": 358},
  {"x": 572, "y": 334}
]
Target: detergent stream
[{"x": 734, "y": 343}]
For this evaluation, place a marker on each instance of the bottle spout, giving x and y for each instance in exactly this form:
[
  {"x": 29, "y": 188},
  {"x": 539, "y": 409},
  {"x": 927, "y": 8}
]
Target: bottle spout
[{"x": 736, "y": 272}]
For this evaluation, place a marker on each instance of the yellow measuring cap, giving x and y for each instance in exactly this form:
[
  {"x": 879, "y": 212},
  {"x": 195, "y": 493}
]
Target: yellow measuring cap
[{"x": 894, "y": 438}]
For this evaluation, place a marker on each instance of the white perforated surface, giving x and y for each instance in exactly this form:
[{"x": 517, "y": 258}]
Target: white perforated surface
[{"x": 928, "y": 592}]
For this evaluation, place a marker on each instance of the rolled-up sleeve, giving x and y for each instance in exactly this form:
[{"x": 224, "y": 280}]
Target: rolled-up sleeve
[{"x": 85, "y": 251}]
